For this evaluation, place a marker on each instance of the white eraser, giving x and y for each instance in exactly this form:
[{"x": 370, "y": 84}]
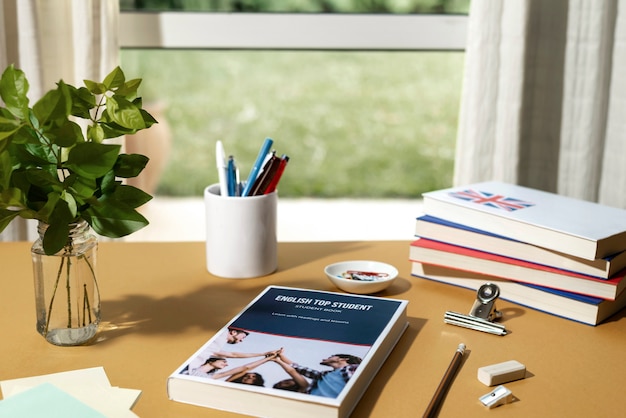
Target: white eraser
[{"x": 497, "y": 374}]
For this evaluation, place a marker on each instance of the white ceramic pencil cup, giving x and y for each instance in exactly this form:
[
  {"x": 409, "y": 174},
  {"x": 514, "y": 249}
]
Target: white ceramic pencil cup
[{"x": 240, "y": 234}]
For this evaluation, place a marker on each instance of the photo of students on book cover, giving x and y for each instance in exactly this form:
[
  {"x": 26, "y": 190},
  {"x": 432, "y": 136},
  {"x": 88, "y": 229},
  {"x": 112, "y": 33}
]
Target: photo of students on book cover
[
  {"x": 294, "y": 364},
  {"x": 306, "y": 342}
]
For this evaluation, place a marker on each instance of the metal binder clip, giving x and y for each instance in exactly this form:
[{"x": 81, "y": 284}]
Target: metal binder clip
[
  {"x": 499, "y": 396},
  {"x": 482, "y": 314}
]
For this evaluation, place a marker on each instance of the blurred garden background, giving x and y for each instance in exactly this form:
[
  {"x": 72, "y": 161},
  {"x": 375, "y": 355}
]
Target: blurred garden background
[{"x": 370, "y": 124}]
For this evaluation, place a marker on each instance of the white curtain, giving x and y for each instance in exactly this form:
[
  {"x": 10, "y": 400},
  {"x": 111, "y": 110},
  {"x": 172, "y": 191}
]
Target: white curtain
[
  {"x": 51, "y": 40},
  {"x": 544, "y": 97}
]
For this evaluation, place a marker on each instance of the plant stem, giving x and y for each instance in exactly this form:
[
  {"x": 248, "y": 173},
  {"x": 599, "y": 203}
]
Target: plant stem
[
  {"x": 95, "y": 282},
  {"x": 67, "y": 287},
  {"x": 54, "y": 292},
  {"x": 96, "y": 113},
  {"x": 65, "y": 267},
  {"x": 86, "y": 304},
  {"x": 93, "y": 273}
]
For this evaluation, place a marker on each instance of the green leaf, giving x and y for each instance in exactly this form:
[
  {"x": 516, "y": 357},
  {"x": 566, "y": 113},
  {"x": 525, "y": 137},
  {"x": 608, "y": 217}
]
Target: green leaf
[
  {"x": 82, "y": 102},
  {"x": 43, "y": 179},
  {"x": 92, "y": 160},
  {"x": 54, "y": 106},
  {"x": 108, "y": 183},
  {"x": 8, "y": 128},
  {"x": 45, "y": 212},
  {"x": 35, "y": 154},
  {"x": 82, "y": 188},
  {"x": 113, "y": 130},
  {"x": 71, "y": 203},
  {"x": 114, "y": 79},
  {"x": 56, "y": 236},
  {"x": 130, "y": 165},
  {"x": 148, "y": 119},
  {"x": 130, "y": 196},
  {"x": 14, "y": 90},
  {"x": 6, "y": 216},
  {"x": 12, "y": 199},
  {"x": 65, "y": 135},
  {"x": 95, "y": 133},
  {"x": 6, "y": 168},
  {"x": 25, "y": 135},
  {"x": 114, "y": 219},
  {"x": 129, "y": 89},
  {"x": 124, "y": 113},
  {"x": 19, "y": 181},
  {"x": 95, "y": 87}
]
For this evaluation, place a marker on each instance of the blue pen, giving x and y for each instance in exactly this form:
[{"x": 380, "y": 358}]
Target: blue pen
[
  {"x": 254, "y": 173},
  {"x": 231, "y": 178}
]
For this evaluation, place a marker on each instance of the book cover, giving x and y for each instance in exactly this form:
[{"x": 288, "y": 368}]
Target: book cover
[
  {"x": 293, "y": 353},
  {"x": 438, "y": 229},
  {"x": 572, "y": 226},
  {"x": 584, "y": 309},
  {"x": 453, "y": 256}
]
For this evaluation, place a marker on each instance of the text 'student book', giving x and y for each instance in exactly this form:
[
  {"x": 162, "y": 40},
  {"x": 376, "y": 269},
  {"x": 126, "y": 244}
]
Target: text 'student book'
[
  {"x": 293, "y": 353},
  {"x": 572, "y": 226}
]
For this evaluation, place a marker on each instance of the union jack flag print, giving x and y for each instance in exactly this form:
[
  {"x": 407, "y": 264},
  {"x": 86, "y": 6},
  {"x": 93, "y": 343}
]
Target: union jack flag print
[{"x": 491, "y": 199}]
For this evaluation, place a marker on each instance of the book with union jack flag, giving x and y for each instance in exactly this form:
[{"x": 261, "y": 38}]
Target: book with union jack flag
[
  {"x": 493, "y": 200},
  {"x": 568, "y": 225}
]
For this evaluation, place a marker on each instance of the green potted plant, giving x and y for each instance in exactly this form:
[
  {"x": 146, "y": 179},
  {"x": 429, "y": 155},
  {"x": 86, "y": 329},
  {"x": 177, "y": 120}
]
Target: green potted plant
[{"x": 57, "y": 167}]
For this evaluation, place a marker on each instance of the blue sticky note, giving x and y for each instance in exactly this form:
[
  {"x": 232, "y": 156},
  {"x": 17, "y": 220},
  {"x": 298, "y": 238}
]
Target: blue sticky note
[{"x": 45, "y": 401}]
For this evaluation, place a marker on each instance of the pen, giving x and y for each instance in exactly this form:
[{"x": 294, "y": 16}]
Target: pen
[
  {"x": 269, "y": 170},
  {"x": 231, "y": 181},
  {"x": 221, "y": 168},
  {"x": 272, "y": 186},
  {"x": 445, "y": 383},
  {"x": 265, "y": 148},
  {"x": 237, "y": 182}
]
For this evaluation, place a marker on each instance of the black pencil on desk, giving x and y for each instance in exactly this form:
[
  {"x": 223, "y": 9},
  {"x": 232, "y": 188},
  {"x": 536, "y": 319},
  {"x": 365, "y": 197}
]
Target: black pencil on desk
[{"x": 445, "y": 383}]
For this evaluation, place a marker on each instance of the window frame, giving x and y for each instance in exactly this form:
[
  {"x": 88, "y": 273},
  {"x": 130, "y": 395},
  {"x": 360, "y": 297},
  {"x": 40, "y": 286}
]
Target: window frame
[{"x": 291, "y": 31}]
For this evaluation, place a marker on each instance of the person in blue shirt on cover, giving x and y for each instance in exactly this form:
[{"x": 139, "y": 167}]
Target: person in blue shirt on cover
[{"x": 328, "y": 383}]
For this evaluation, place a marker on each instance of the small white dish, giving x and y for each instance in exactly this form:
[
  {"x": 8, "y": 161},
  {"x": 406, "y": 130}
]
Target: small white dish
[{"x": 339, "y": 274}]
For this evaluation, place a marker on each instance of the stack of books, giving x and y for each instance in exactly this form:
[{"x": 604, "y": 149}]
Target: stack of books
[{"x": 560, "y": 255}]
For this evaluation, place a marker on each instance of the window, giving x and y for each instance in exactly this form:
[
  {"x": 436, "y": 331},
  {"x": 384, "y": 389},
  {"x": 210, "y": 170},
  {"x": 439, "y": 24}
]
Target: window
[{"x": 364, "y": 104}]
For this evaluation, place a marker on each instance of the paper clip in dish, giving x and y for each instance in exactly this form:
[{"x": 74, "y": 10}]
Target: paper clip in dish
[
  {"x": 499, "y": 396},
  {"x": 482, "y": 314}
]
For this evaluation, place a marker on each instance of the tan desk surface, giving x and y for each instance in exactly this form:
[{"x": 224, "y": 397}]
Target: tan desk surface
[{"x": 160, "y": 305}]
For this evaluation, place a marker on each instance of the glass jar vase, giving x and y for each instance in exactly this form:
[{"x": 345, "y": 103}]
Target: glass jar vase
[{"x": 67, "y": 298}]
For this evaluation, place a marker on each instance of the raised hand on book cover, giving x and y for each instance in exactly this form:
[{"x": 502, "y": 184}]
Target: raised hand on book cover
[
  {"x": 295, "y": 383},
  {"x": 238, "y": 372}
]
